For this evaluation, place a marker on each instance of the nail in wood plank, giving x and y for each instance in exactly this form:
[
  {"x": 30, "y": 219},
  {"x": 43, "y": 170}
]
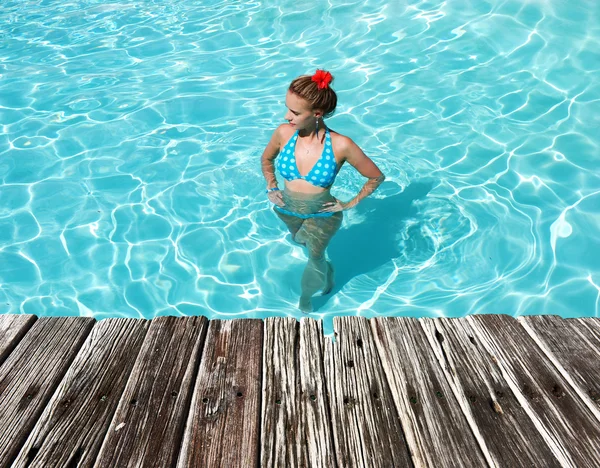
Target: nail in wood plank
[
  {"x": 315, "y": 404},
  {"x": 295, "y": 413},
  {"x": 574, "y": 348},
  {"x": 281, "y": 426},
  {"x": 12, "y": 328},
  {"x": 366, "y": 426},
  {"x": 507, "y": 434},
  {"x": 31, "y": 373},
  {"x": 223, "y": 426},
  {"x": 148, "y": 424},
  {"x": 562, "y": 418},
  {"x": 86, "y": 399},
  {"x": 436, "y": 430}
]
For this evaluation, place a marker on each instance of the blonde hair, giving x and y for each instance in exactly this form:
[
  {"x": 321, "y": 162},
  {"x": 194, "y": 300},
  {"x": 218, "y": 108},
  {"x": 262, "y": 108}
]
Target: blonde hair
[{"x": 324, "y": 99}]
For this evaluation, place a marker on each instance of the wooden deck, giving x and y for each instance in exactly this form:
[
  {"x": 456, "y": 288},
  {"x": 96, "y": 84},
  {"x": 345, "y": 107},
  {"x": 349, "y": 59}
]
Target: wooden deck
[{"x": 480, "y": 391}]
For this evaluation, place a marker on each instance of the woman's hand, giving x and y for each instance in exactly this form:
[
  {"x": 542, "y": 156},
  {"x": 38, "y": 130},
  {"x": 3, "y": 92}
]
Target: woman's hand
[
  {"x": 333, "y": 207},
  {"x": 276, "y": 197}
]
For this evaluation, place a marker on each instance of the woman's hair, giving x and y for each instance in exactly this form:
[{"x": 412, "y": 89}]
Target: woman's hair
[{"x": 324, "y": 99}]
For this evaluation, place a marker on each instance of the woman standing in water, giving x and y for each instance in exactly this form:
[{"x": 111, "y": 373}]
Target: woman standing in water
[{"x": 310, "y": 156}]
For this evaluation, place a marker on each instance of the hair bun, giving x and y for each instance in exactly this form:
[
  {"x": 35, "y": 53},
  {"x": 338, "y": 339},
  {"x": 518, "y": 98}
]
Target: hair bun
[{"x": 322, "y": 78}]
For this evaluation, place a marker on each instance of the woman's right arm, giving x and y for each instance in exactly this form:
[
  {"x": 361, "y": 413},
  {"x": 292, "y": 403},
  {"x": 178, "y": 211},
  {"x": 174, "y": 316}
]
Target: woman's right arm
[{"x": 268, "y": 158}]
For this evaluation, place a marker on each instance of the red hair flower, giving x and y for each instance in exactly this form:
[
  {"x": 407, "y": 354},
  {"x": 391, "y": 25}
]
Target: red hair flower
[{"x": 322, "y": 78}]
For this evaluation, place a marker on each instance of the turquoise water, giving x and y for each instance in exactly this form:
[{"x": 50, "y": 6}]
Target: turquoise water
[{"x": 132, "y": 135}]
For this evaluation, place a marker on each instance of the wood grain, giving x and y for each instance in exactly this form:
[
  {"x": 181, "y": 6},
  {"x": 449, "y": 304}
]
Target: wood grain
[
  {"x": 86, "y": 399},
  {"x": 563, "y": 419},
  {"x": 12, "y": 328},
  {"x": 505, "y": 432},
  {"x": 574, "y": 348},
  {"x": 319, "y": 450},
  {"x": 295, "y": 430},
  {"x": 30, "y": 375},
  {"x": 280, "y": 420},
  {"x": 223, "y": 426},
  {"x": 147, "y": 427},
  {"x": 436, "y": 430},
  {"x": 365, "y": 423}
]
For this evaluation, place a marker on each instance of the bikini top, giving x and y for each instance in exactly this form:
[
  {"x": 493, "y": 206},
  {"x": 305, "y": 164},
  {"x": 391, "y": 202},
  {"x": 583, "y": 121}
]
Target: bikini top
[{"x": 322, "y": 173}]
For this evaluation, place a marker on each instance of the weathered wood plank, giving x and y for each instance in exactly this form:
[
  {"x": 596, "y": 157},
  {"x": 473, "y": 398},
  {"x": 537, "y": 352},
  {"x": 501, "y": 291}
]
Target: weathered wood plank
[
  {"x": 30, "y": 375},
  {"x": 506, "y": 434},
  {"x": 223, "y": 426},
  {"x": 12, "y": 328},
  {"x": 366, "y": 426},
  {"x": 314, "y": 400},
  {"x": 86, "y": 399},
  {"x": 436, "y": 430},
  {"x": 281, "y": 426},
  {"x": 559, "y": 414},
  {"x": 295, "y": 411},
  {"x": 574, "y": 349},
  {"x": 592, "y": 325},
  {"x": 147, "y": 427}
]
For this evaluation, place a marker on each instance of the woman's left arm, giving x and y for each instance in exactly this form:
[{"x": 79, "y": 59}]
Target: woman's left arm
[{"x": 363, "y": 164}]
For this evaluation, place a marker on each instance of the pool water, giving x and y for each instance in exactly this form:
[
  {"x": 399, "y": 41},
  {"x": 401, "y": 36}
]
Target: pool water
[{"x": 132, "y": 134}]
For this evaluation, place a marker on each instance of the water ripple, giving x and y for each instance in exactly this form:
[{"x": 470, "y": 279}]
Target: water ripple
[{"x": 131, "y": 136}]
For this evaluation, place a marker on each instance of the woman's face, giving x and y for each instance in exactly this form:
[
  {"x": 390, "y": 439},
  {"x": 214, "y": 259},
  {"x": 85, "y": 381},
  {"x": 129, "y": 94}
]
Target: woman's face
[{"x": 300, "y": 115}]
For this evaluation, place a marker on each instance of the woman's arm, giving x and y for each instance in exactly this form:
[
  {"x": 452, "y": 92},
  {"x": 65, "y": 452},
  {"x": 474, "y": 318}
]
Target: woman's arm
[
  {"x": 363, "y": 164},
  {"x": 268, "y": 158}
]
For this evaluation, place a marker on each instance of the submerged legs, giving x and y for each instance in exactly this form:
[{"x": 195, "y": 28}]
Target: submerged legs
[
  {"x": 316, "y": 233},
  {"x": 293, "y": 223}
]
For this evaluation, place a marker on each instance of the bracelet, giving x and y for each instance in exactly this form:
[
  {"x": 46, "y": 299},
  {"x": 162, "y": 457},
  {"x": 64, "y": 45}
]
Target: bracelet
[{"x": 272, "y": 189}]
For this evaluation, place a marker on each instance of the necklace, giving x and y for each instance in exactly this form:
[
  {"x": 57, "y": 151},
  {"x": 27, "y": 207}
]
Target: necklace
[{"x": 306, "y": 148}]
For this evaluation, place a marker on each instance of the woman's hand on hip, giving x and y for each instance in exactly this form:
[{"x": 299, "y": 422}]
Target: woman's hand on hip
[
  {"x": 276, "y": 197},
  {"x": 333, "y": 207}
]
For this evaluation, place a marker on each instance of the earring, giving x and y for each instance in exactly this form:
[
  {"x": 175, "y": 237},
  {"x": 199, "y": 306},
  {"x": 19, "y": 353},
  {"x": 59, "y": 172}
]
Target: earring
[{"x": 317, "y": 126}]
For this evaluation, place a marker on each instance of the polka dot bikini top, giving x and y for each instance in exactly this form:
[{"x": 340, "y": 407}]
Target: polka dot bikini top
[{"x": 322, "y": 173}]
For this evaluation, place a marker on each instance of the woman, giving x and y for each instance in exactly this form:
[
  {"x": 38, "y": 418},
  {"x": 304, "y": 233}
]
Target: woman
[{"x": 310, "y": 156}]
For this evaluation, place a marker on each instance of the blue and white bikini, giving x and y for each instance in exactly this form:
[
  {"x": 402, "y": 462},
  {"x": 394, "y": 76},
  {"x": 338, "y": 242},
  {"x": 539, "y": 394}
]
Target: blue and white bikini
[{"x": 322, "y": 174}]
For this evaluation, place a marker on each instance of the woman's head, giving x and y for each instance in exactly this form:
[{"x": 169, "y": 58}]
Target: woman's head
[{"x": 311, "y": 95}]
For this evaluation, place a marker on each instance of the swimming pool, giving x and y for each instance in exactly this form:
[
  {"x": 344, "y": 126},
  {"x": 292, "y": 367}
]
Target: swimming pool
[{"x": 132, "y": 134}]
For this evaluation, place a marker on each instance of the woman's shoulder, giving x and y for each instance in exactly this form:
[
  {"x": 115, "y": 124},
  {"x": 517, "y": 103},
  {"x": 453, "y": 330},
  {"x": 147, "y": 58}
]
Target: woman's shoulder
[
  {"x": 285, "y": 131},
  {"x": 341, "y": 142},
  {"x": 282, "y": 134}
]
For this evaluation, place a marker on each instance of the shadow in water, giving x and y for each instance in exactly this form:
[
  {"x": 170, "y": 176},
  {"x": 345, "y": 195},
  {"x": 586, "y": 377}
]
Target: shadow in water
[{"x": 366, "y": 246}]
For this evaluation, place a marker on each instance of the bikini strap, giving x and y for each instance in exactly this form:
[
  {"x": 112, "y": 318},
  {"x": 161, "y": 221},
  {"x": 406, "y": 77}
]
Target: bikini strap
[{"x": 292, "y": 140}]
